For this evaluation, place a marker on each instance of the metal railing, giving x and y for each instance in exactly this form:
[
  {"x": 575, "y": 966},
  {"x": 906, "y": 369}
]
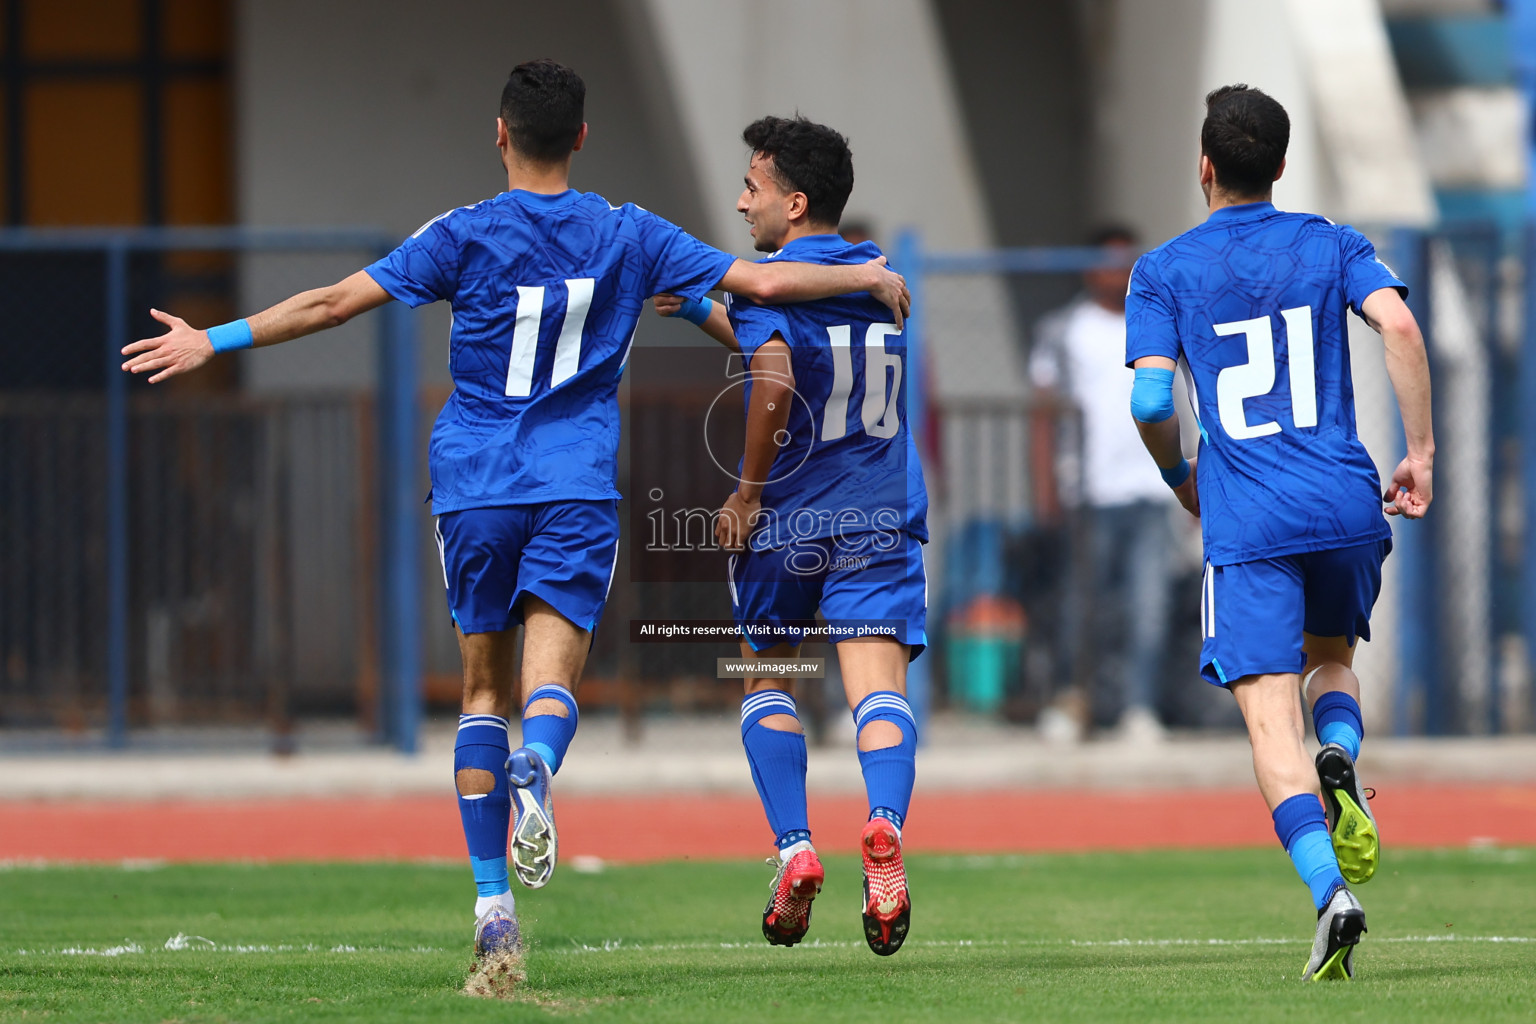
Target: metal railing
[
  {"x": 260, "y": 553},
  {"x": 1462, "y": 616},
  {"x": 108, "y": 416}
]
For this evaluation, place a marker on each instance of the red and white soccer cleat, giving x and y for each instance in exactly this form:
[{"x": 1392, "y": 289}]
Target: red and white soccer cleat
[
  {"x": 788, "y": 914},
  {"x": 887, "y": 904}
]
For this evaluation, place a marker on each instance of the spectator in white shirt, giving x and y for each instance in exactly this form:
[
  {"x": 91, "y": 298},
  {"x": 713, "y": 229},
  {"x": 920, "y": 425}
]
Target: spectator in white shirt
[{"x": 1121, "y": 602}]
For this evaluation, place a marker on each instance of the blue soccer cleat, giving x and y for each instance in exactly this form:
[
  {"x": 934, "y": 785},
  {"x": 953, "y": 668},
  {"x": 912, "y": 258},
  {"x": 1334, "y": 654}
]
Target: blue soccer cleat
[
  {"x": 496, "y": 931},
  {"x": 532, "y": 847}
]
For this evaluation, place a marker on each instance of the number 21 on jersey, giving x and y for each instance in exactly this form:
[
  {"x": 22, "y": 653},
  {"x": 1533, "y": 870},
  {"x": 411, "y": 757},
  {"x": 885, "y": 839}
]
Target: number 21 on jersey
[{"x": 1256, "y": 377}]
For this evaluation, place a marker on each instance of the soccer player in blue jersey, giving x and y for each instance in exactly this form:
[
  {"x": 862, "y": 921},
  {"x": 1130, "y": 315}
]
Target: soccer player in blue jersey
[
  {"x": 829, "y": 512},
  {"x": 1255, "y": 301},
  {"x": 546, "y": 285}
]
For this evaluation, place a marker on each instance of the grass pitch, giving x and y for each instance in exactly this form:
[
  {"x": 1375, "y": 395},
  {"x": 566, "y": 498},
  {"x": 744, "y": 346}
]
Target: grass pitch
[{"x": 1103, "y": 937}]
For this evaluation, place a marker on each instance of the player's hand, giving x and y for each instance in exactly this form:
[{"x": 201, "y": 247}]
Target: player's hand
[
  {"x": 734, "y": 522},
  {"x": 1413, "y": 488},
  {"x": 1187, "y": 493},
  {"x": 179, "y": 350},
  {"x": 891, "y": 290},
  {"x": 667, "y": 304}
]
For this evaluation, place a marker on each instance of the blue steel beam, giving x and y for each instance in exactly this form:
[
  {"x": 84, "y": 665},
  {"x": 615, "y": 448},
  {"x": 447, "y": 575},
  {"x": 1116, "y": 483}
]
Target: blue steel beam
[
  {"x": 402, "y": 508},
  {"x": 909, "y": 263},
  {"x": 117, "y": 497},
  {"x": 1522, "y": 25}
]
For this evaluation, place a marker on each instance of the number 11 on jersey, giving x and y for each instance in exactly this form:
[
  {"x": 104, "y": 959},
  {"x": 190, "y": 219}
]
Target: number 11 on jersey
[{"x": 525, "y": 335}]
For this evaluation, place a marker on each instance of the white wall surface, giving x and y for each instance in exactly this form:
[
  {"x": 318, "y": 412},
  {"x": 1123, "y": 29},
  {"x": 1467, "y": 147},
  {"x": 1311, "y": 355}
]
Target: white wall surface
[
  {"x": 1162, "y": 58},
  {"x": 382, "y": 113},
  {"x": 873, "y": 69}
]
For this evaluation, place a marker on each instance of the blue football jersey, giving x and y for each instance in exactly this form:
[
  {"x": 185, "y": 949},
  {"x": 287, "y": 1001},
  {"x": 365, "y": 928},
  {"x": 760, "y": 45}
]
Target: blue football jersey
[
  {"x": 849, "y": 464},
  {"x": 1255, "y": 302},
  {"x": 546, "y": 291}
]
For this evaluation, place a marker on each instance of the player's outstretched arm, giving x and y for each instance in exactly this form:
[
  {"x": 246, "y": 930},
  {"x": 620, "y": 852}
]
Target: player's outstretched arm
[
  {"x": 184, "y": 348},
  {"x": 774, "y": 284},
  {"x": 1412, "y": 487},
  {"x": 1158, "y": 423},
  {"x": 712, "y": 319},
  {"x": 773, "y": 388}
]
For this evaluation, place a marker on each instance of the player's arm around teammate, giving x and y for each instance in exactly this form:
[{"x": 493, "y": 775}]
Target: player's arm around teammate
[{"x": 524, "y": 541}]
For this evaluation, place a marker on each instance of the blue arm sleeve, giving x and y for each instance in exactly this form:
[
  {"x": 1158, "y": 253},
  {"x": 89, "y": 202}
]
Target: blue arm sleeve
[{"x": 1152, "y": 395}]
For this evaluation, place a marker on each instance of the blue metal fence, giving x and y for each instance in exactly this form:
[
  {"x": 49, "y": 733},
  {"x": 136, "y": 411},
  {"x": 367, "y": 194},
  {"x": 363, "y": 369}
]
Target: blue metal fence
[
  {"x": 398, "y": 469},
  {"x": 1428, "y": 696}
]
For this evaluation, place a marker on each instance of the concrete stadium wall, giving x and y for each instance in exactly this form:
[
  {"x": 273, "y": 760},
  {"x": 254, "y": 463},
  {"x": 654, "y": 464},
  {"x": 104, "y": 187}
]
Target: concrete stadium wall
[
  {"x": 876, "y": 70},
  {"x": 378, "y": 113}
]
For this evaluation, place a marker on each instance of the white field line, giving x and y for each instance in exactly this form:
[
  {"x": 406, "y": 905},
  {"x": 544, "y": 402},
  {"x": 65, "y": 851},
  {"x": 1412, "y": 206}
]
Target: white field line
[
  {"x": 620, "y": 945},
  {"x": 183, "y": 943}
]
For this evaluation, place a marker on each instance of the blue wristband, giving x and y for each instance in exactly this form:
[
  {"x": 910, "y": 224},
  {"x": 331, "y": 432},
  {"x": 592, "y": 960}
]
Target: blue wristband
[
  {"x": 230, "y": 336},
  {"x": 1174, "y": 476},
  {"x": 696, "y": 312}
]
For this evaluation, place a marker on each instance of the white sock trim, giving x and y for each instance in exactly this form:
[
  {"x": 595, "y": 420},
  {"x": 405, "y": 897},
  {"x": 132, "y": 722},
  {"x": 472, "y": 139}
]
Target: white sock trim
[
  {"x": 484, "y": 903},
  {"x": 794, "y": 848}
]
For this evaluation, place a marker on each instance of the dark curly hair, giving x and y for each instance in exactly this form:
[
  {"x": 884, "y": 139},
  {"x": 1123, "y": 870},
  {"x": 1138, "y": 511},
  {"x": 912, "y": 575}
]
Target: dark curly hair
[{"x": 807, "y": 157}]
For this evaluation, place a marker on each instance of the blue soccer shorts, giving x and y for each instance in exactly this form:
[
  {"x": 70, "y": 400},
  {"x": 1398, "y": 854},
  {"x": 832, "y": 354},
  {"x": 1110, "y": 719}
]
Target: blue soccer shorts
[
  {"x": 870, "y": 584},
  {"x": 561, "y": 552},
  {"x": 1253, "y": 614}
]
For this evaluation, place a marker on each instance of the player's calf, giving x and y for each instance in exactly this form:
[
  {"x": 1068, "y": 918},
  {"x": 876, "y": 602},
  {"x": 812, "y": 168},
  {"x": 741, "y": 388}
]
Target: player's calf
[
  {"x": 485, "y": 805},
  {"x": 887, "y": 754}
]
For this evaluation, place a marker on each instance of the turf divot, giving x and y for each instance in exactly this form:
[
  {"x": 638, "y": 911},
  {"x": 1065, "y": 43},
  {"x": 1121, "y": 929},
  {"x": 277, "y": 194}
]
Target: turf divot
[{"x": 496, "y": 975}]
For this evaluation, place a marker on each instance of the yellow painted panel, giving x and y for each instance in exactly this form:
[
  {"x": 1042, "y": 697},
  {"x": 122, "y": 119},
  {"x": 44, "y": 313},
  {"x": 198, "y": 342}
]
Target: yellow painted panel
[
  {"x": 195, "y": 28},
  {"x": 197, "y": 156},
  {"x": 84, "y": 153},
  {"x": 82, "y": 28}
]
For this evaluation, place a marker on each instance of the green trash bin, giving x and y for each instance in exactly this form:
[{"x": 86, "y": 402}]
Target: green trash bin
[{"x": 985, "y": 649}]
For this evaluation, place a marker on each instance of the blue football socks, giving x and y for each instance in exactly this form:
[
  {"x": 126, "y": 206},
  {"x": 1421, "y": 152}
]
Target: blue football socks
[
  {"x": 482, "y": 744},
  {"x": 550, "y": 735},
  {"x": 1303, "y": 831},
  {"x": 889, "y": 772},
  {"x": 1336, "y": 718},
  {"x": 778, "y": 763}
]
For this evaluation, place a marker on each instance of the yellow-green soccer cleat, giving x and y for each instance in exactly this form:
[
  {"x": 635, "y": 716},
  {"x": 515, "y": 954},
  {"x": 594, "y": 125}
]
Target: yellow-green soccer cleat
[
  {"x": 1339, "y": 927},
  {"x": 1356, "y": 843}
]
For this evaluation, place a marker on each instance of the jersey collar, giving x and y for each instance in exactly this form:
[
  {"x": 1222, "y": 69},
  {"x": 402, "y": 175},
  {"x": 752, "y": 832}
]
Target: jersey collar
[
  {"x": 1245, "y": 211},
  {"x": 811, "y": 244},
  {"x": 541, "y": 200}
]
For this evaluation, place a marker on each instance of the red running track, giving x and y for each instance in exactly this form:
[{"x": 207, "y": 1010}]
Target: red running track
[{"x": 629, "y": 829}]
